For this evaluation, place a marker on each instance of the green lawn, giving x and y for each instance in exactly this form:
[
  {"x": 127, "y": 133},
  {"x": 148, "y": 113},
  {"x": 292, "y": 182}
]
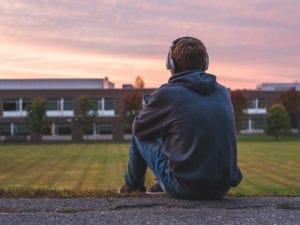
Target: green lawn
[{"x": 270, "y": 168}]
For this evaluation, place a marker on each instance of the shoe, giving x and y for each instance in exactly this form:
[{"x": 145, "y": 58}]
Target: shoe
[
  {"x": 155, "y": 189},
  {"x": 126, "y": 188}
]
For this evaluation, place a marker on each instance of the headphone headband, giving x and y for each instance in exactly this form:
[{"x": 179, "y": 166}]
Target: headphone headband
[
  {"x": 170, "y": 65},
  {"x": 178, "y": 39}
]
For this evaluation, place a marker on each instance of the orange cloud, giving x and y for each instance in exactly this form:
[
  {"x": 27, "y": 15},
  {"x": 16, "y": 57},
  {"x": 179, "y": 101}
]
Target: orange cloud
[{"x": 249, "y": 41}]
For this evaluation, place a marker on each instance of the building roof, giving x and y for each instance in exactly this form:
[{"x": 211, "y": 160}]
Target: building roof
[
  {"x": 46, "y": 84},
  {"x": 278, "y": 86}
]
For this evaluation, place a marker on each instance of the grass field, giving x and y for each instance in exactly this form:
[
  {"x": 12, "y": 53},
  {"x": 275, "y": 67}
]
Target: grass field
[{"x": 270, "y": 168}]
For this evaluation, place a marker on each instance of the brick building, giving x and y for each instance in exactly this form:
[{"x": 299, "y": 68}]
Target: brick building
[
  {"x": 62, "y": 108},
  {"x": 258, "y": 104},
  {"x": 260, "y": 100}
]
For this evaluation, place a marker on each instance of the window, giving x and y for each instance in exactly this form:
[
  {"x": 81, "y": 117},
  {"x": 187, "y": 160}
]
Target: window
[
  {"x": 108, "y": 104},
  {"x": 105, "y": 107},
  {"x": 25, "y": 103},
  {"x": 59, "y": 107},
  {"x": 60, "y": 104},
  {"x": 256, "y": 106},
  {"x": 261, "y": 104},
  {"x": 53, "y": 105},
  {"x": 63, "y": 129},
  {"x": 10, "y": 104},
  {"x": 15, "y": 107},
  {"x": 5, "y": 129},
  {"x": 252, "y": 104},
  {"x": 15, "y": 104},
  {"x": 104, "y": 129},
  {"x": 21, "y": 129},
  {"x": 68, "y": 104},
  {"x": 257, "y": 124}
]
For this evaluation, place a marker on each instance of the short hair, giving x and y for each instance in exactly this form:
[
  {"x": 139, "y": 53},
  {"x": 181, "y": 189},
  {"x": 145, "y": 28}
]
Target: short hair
[{"x": 189, "y": 53}]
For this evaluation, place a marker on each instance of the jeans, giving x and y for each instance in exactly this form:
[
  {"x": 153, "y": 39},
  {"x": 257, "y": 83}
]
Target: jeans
[{"x": 149, "y": 153}]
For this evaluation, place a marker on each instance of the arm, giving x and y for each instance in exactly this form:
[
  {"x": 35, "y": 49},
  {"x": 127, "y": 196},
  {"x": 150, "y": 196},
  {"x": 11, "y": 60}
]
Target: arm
[{"x": 150, "y": 123}]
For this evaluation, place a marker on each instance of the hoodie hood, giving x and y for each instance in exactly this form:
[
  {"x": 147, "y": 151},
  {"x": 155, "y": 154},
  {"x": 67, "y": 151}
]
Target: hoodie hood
[{"x": 196, "y": 80}]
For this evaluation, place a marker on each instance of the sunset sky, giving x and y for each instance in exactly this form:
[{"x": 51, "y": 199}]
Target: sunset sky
[{"x": 249, "y": 41}]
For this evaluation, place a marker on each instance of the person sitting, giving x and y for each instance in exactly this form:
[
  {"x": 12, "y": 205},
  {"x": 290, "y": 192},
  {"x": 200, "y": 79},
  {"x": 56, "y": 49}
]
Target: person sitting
[{"x": 186, "y": 132}]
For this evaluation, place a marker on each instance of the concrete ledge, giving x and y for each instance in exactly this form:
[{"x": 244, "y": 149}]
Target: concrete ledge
[{"x": 231, "y": 210}]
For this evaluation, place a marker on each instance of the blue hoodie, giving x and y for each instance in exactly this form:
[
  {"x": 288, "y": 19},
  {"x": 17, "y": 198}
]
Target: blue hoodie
[{"x": 193, "y": 115}]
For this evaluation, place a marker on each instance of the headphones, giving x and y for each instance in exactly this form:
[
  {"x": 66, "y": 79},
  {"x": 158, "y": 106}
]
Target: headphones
[{"x": 170, "y": 64}]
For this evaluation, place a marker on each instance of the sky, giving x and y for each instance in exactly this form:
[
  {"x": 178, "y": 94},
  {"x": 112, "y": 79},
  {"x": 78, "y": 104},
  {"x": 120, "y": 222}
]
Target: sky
[{"x": 249, "y": 41}]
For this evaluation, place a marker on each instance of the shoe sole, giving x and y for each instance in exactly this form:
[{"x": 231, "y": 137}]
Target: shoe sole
[{"x": 154, "y": 193}]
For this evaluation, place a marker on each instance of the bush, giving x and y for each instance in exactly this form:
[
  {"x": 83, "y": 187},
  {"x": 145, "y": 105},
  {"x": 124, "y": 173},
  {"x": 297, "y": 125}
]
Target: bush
[{"x": 277, "y": 121}]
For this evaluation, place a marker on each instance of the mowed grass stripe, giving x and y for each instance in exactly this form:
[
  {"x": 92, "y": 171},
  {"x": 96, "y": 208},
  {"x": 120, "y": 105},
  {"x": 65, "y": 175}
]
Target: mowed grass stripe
[
  {"x": 286, "y": 150},
  {"x": 66, "y": 174},
  {"x": 40, "y": 177},
  {"x": 268, "y": 179},
  {"x": 113, "y": 170},
  {"x": 276, "y": 161},
  {"x": 277, "y": 166},
  {"x": 10, "y": 164},
  {"x": 87, "y": 168},
  {"x": 95, "y": 173},
  {"x": 94, "y": 161},
  {"x": 27, "y": 164},
  {"x": 74, "y": 176},
  {"x": 118, "y": 154},
  {"x": 269, "y": 168},
  {"x": 250, "y": 187},
  {"x": 100, "y": 166},
  {"x": 48, "y": 171},
  {"x": 274, "y": 170}
]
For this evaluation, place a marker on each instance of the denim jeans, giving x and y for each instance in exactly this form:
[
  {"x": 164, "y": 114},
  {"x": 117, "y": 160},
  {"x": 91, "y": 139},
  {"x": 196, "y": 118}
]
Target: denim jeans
[{"x": 149, "y": 153}]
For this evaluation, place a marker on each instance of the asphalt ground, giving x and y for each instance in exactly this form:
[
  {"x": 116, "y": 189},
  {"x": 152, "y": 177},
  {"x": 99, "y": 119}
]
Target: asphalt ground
[{"x": 150, "y": 210}]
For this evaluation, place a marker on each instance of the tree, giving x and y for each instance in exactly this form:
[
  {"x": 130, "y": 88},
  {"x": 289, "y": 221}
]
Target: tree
[
  {"x": 133, "y": 105},
  {"x": 290, "y": 99},
  {"x": 277, "y": 121},
  {"x": 239, "y": 103},
  {"x": 37, "y": 117},
  {"x": 87, "y": 113},
  {"x": 139, "y": 82}
]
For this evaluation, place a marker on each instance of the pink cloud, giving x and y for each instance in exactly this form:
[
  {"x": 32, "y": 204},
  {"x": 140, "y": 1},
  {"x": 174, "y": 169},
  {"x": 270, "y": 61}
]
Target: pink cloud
[{"x": 245, "y": 37}]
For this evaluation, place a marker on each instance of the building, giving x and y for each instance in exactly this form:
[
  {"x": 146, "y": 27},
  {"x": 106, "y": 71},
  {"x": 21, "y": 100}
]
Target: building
[
  {"x": 260, "y": 100},
  {"x": 62, "y": 108},
  {"x": 257, "y": 107},
  {"x": 55, "y": 84},
  {"x": 278, "y": 86}
]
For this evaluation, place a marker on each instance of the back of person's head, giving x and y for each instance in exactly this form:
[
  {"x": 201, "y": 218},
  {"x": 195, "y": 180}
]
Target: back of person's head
[{"x": 187, "y": 53}]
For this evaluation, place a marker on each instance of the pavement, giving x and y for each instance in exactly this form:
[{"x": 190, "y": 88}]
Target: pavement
[{"x": 150, "y": 210}]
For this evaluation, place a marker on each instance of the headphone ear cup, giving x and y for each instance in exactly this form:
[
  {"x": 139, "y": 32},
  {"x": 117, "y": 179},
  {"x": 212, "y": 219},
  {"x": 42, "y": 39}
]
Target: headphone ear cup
[{"x": 170, "y": 63}]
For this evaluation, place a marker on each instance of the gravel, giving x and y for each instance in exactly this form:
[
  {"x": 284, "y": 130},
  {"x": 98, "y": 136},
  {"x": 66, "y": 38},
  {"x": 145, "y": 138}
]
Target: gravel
[{"x": 159, "y": 211}]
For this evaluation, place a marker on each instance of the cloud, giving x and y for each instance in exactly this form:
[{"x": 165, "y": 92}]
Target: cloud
[{"x": 258, "y": 34}]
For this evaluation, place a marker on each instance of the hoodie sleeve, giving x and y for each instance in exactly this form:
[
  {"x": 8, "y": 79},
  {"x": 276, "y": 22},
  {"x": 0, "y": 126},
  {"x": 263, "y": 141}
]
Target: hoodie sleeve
[{"x": 151, "y": 121}]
